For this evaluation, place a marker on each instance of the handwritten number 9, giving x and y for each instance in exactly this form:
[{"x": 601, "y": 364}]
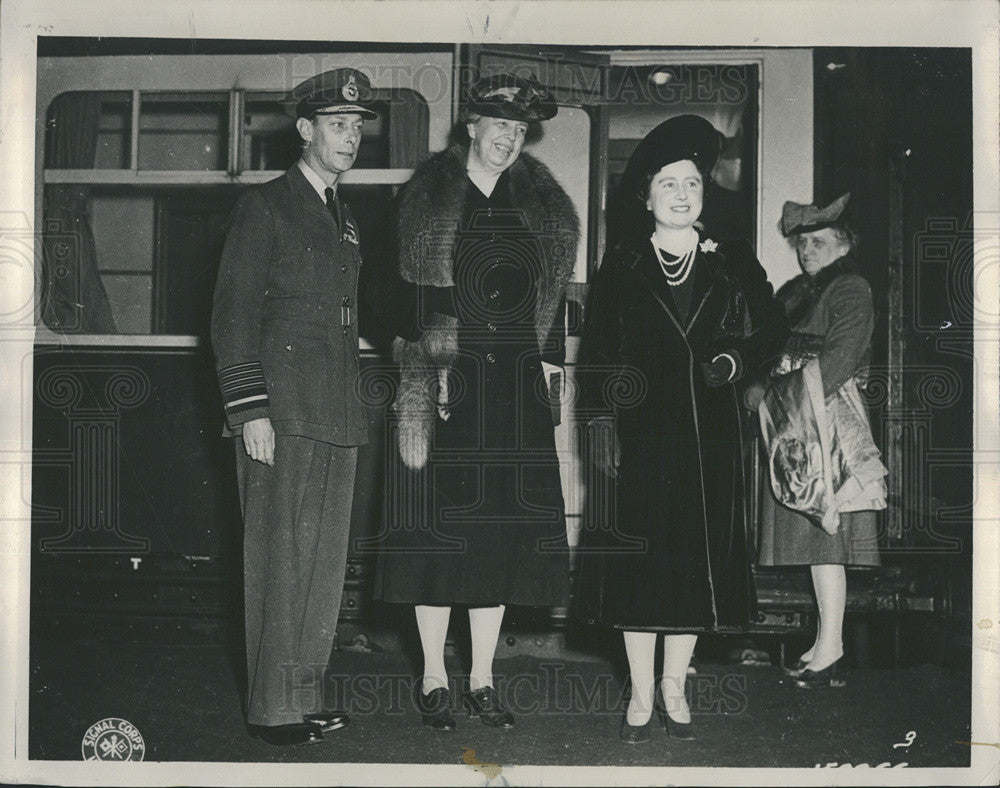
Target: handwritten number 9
[{"x": 910, "y": 737}]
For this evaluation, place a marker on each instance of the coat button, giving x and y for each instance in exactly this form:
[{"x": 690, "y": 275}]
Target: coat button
[{"x": 491, "y": 358}]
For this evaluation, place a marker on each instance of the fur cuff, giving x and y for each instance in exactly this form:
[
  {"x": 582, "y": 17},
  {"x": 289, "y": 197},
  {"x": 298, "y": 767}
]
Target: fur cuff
[{"x": 416, "y": 402}]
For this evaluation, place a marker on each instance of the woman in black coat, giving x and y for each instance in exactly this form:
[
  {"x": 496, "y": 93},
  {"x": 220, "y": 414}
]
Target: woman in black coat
[
  {"x": 676, "y": 320},
  {"x": 474, "y": 510}
]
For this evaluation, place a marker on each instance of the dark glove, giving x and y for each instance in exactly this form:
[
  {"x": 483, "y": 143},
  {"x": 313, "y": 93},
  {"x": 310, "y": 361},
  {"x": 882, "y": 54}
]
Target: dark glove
[
  {"x": 437, "y": 299},
  {"x": 602, "y": 445},
  {"x": 720, "y": 371}
]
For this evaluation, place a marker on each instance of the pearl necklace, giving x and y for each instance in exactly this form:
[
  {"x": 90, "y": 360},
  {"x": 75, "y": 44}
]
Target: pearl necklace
[{"x": 678, "y": 271}]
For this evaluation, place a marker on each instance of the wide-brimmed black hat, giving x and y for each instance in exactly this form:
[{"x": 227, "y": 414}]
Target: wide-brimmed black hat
[
  {"x": 798, "y": 218},
  {"x": 335, "y": 92},
  {"x": 512, "y": 97},
  {"x": 682, "y": 137}
]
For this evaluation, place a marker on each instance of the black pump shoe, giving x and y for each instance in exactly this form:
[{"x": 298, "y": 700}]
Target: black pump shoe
[
  {"x": 485, "y": 704},
  {"x": 328, "y": 720},
  {"x": 676, "y": 730},
  {"x": 293, "y": 735},
  {"x": 635, "y": 734},
  {"x": 830, "y": 676},
  {"x": 435, "y": 710},
  {"x": 796, "y": 669}
]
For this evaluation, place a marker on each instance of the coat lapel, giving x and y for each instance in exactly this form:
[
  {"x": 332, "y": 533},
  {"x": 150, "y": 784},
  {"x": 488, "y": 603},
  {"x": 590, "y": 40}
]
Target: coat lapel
[
  {"x": 704, "y": 284},
  {"x": 649, "y": 269}
]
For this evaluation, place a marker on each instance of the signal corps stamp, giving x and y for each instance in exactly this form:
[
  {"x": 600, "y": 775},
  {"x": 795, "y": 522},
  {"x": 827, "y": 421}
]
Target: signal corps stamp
[{"x": 113, "y": 739}]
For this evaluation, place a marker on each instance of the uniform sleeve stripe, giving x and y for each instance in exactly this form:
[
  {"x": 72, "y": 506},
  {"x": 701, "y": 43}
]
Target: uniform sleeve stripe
[
  {"x": 243, "y": 386},
  {"x": 257, "y": 398}
]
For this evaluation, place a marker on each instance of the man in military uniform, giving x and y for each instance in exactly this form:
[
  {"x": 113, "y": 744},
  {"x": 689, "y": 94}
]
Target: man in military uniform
[{"x": 284, "y": 331}]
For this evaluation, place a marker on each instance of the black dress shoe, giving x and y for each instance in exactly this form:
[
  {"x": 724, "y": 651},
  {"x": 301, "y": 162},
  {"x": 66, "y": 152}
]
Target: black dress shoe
[
  {"x": 288, "y": 735},
  {"x": 435, "y": 710},
  {"x": 328, "y": 720},
  {"x": 485, "y": 704},
  {"x": 830, "y": 676},
  {"x": 796, "y": 669},
  {"x": 635, "y": 734}
]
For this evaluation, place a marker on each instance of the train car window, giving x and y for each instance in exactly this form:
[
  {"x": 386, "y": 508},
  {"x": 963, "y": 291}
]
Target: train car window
[
  {"x": 183, "y": 131},
  {"x": 147, "y": 223}
]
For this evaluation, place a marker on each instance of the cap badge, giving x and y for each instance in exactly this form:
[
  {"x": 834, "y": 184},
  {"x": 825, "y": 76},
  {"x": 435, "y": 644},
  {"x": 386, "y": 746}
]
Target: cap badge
[{"x": 350, "y": 89}]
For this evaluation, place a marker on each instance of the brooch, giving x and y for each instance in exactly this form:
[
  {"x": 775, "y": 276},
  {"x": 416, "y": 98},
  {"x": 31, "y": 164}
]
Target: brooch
[{"x": 708, "y": 245}]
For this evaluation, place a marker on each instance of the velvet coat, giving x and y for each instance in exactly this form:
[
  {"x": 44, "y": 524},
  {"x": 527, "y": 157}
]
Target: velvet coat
[{"x": 670, "y": 552}]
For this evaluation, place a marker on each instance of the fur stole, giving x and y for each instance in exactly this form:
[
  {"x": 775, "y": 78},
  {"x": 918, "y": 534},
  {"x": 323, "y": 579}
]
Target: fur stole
[{"x": 430, "y": 212}]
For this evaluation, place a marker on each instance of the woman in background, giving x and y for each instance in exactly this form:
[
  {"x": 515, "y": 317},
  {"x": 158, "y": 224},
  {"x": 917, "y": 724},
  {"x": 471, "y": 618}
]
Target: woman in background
[{"x": 830, "y": 309}]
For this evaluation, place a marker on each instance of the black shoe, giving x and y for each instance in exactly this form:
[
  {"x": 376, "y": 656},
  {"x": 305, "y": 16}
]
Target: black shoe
[
  {"x": 485, "y": 704},
  {"x": 435, "y": 710},
  {"x": 830, "y": 676},
  {"x": 328, "y": 720},
  {"x": 676, "y": 730},
  {"x": 796, "y": 669},
  {"x": 288, "y": 735},
  {"x": 635, "y": 734}
]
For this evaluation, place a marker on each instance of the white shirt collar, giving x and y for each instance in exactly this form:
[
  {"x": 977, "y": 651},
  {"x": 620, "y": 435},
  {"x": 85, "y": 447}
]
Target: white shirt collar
[{"x": 314, "y": 179}]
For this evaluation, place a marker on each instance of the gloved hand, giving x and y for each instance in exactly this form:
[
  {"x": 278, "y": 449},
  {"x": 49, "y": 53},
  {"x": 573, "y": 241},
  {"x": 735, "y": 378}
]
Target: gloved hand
[
  {"x": 602, "y": 445},
  {"x": 719, "y": 371}
]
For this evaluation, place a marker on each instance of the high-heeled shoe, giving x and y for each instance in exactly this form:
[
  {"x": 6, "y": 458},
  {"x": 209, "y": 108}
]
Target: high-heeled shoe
[
  {"x": 674, "y": 729},
  {"x": 796, "y": 669},
  {"x": 635, "y": 734},
  {"x": 830, "y": 676}
]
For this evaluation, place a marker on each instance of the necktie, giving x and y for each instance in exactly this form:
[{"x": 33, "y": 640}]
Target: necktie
[{"x": 333, "y": 206}]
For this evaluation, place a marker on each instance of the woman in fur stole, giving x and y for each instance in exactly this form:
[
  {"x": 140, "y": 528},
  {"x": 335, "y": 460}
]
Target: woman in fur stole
[{"x": 474, "y": 511}]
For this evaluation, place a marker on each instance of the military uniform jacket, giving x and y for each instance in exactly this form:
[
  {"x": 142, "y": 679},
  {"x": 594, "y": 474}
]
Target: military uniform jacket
[{"x": 284, "y": 321}]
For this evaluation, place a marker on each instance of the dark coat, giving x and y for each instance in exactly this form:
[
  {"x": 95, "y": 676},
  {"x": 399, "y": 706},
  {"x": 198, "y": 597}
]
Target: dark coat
[
  {"x": 476, "y": 516},
  {"x": 284, "y": 326},
  {"x": 430, "y": 215},
  {"x": 673, "y": 553}
]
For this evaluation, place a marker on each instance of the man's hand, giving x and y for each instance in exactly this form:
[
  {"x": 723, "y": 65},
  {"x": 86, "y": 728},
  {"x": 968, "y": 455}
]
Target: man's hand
[{"x": 258, "y": 438}]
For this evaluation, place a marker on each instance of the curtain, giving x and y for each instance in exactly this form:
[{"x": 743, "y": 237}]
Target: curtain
[
  {"x": 73, "y": 299},
  {"x": 408, "y": 129}
]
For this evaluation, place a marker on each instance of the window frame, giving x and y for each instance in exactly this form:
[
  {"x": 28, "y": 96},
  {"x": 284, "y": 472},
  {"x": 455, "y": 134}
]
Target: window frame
[{"x": 134, "y": 176}]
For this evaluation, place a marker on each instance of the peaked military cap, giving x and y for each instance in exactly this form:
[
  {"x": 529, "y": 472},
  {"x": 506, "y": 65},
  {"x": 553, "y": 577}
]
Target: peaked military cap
[{"x": 339, "y": 91}]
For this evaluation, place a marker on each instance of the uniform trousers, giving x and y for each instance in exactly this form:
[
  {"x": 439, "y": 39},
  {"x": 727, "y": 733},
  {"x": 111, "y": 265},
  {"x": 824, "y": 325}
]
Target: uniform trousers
[{"x": 296, "y": 518}]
